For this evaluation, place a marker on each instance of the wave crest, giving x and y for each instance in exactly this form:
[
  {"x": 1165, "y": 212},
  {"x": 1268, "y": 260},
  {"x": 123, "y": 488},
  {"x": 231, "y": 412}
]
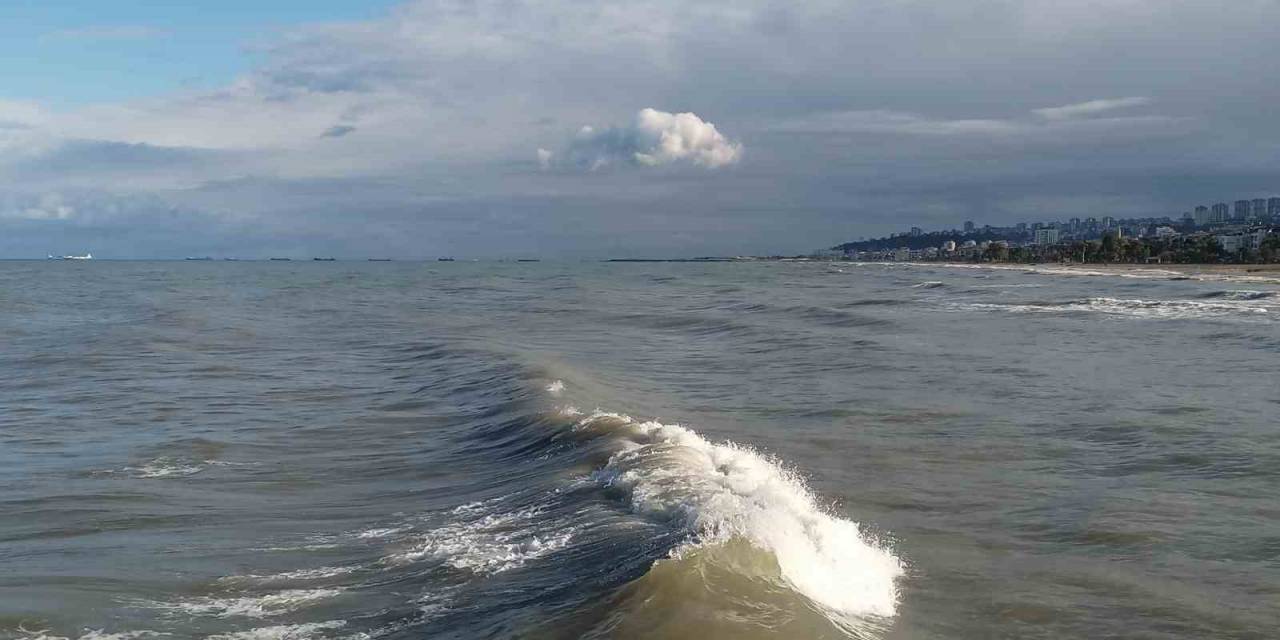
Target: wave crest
[{"x": 723, "y": 494}]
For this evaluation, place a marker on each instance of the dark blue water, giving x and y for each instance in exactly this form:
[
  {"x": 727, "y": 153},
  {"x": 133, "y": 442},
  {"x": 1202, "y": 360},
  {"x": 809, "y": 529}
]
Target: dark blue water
[{"x": 746, "y": 450}]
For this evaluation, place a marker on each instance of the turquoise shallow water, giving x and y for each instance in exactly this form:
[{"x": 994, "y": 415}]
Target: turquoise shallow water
[{"x": 467, "y": 450}]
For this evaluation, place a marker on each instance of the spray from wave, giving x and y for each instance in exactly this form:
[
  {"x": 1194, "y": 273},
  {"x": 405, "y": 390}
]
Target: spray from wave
[{"x": 747, "y": 516}]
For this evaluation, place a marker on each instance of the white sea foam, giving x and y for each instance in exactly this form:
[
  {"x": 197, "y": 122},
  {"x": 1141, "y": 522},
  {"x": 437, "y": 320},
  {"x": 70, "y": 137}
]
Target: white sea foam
[
  {"x": 721, "y": 492},
  {"x": 166, "y": 468},
  {"x": 381, "y": 532},
  {"x": 489, "y": 543},
  {"x": 319, "y": 573},
  {"x": 90, "y": 634},
  {"x": 262, "y": 606},
  {"x": 556, "y": 388},
  {"x": 437, "y": 602},
  {"x": 283, "y": 632},
  {"x": 1154, "y": 309}
]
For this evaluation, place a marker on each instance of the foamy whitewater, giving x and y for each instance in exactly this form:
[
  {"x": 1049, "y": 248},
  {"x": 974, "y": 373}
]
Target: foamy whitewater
[
  {"x": 723, "y": 492},
  {"x": 352, "y": 451}
]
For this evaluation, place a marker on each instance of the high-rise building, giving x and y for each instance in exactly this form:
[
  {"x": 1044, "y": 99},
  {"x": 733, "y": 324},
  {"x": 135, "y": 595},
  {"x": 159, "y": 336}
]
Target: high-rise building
[
  {"x": 968, "y": 226},
  {"x": 1220, "y": 213},
  {"x": 916, "y": 232},
  {"x": 1260, "y": 208},
  {"x": 1202, "y": 216},
  {"x": 1273, "y": 207},
  {"x": 1108, "y": 222},
  {"x": 1074, "y": 225},
  {"x": 1046, "y": 235},
  {"x": 1241, "y": 211}
]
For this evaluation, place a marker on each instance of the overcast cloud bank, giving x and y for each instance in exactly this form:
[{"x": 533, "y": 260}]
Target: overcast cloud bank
[{"x": 447, "y": 127}]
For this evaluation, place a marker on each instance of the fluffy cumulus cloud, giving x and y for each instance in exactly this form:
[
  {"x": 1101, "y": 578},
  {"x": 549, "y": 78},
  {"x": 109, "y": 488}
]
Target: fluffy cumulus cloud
[
  {"x": 655, "y": 138},
  {"x": 448, "y": 126}
]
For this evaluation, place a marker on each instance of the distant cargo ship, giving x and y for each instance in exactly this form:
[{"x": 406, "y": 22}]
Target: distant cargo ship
[
  {"x": 324, "y": 259},
  {"x": 87, "y": 256},
  {"x": 282, "y": 259},
  {"x": 444, "y": 259},
  {"x": 199, "y": 258}
]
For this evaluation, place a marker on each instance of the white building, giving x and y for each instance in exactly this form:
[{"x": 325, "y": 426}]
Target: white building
[
  {"x": 1232, "y": 243},
  {"x": 1046, "y": 235}
]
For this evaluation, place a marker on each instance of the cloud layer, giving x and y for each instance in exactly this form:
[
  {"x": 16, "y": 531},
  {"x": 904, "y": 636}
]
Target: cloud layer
[{"x": 412, "y": 132}]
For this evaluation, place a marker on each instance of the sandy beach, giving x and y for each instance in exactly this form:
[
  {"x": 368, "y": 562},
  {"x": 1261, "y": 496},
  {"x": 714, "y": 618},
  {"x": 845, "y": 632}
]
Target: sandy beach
[
  {"x": 1240, "y": 273},
  {"x": 1188, "y": 269}
]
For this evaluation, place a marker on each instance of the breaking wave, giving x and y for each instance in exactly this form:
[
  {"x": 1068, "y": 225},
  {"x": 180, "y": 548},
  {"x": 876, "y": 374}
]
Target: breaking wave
[
  {"x": 759, "y": 517},
  {"x": 1241, "y": 295},
  {"x": 1152, "y": 309}
]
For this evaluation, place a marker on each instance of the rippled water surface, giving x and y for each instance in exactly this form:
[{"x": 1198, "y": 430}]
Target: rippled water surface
[{"x": 767, "y": 450}]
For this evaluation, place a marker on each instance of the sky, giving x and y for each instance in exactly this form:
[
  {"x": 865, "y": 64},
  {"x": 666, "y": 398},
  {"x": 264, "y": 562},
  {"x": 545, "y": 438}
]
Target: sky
[{"x": 575, "y": 129}]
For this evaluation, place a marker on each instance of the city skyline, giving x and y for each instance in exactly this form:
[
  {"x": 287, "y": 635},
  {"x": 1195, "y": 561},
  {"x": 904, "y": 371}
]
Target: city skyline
[{"x": 1256, "y": 209}]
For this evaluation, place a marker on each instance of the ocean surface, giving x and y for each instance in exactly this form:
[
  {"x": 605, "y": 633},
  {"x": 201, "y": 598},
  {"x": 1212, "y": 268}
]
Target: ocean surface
[{"x": 267, "y": 450}]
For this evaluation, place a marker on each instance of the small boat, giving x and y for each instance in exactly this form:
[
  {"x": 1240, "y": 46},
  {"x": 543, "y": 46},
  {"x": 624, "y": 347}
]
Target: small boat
[
  {"x": 444, "y": 259},
  {"x": 324, "y": 259},
  {"x": 87, "y": 256}
]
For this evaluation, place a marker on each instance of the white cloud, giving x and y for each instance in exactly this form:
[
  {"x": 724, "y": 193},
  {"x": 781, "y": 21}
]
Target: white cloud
[
  {"x": 1090, "y": 108},
  {"x": 655, "y": 138},
  {"x": 894, "y": 122}
]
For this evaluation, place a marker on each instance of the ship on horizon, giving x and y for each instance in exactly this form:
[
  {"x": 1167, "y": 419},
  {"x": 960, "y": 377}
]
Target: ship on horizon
[{"x": 87, "y": 256}]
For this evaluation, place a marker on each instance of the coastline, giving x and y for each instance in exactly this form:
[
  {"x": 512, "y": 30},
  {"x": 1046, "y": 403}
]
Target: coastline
[
  {"x": 1241, "y": 273},
  {"x": 1190, "y": 270}
]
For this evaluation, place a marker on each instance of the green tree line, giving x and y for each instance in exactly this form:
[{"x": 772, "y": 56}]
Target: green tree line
[{"x": 1177, "y": 250}]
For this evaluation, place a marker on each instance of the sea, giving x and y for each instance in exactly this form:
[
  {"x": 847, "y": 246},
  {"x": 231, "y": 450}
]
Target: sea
[{"x": 358, "y": 450}]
